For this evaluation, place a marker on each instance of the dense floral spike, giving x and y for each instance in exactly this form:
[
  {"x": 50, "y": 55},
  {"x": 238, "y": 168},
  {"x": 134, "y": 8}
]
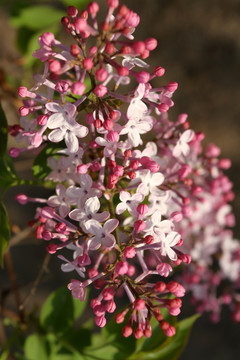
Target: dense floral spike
[{"x": 135, "y": 194}]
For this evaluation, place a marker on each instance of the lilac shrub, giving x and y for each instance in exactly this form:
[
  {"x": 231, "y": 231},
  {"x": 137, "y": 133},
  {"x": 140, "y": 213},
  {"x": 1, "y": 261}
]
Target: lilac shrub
[{"x": 136, "y": 196}]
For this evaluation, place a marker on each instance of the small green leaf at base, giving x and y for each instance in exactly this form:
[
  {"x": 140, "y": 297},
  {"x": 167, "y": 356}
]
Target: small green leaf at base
[{"x": 4, "y": 231}]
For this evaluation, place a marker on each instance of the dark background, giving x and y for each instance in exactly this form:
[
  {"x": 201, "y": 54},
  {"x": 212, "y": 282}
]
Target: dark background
[{"x": 199, "y": 45}]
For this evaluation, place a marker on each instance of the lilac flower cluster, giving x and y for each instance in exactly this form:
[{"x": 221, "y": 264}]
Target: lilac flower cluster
[{"x": 135, "y": 195}]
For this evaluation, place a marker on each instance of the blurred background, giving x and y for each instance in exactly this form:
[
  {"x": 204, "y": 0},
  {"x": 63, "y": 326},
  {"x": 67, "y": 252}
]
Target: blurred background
[{"x": 199, "y": 46}]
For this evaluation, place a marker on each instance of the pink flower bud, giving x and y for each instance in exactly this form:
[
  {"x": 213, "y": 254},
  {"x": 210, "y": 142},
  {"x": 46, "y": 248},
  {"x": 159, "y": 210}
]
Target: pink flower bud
[
  {"x": 139, "y": 225},
  {"x": 92, "y": 272},
  {"x": 132, "y": 174},
  {"x": 110, "y": 306},
  {"x": 121, "y": 268},
  {"x": 108, "y": 124},
  {"x": 138, "y": 333},
  {"x": 164, "y": 269},
  {"x": 224, "y": 164},
  {"x": 149, "y": 239},
  {"x": 22, "y": 91},
  {"x": 142, "y": 77},
  {"x": 196, "y": 190},
  {"x": 113, "y": 3},
  {"x": 60, "y": 227},
  {"x": 172, "y": 86},
  {"x": 100, "y": 321},
  {"x": 72, "y": 11},
  {"x": 93, "y": 8},
  {"x": 159, "y": 71},
  {"x": 112, "y": 136},
  {"x": 134, "y": 164},
  {"x": 74, "y": 50},
  {"x": 94, "y": 302},
  {"x": 47, "y": 235},
  {"x": 22, "y": 199},
  {"x": 99, "y": 310},
  {"x": 184, "y": 171},
  {"x": 119, "y": 318},
  {"x": 54, "y": 65},
  {"x": 138, "y": 47},
  {"x": 170, "y": 331},
  {"x": 176, "y": 289},
  {"x": 42, "y": 120},
  {"x": 47, "y": 38},
  {"x": 131, "y": 270},
  {"x": 96, "y": 166},
  {"x": 142, "y": 209},
  {"x": 109, "y": 48},
  {"x": 100, "y": 90},
  {"x": 127, "y": 331},
  {"x": 187, "y": 211},
  {"x": 176, "y": 216},
  {"x": 151, "y": 44},
  {"x": 148, "y": 332},
  {"x": 80, "y": 24},
  {"x": 159, "y": 287},
  {"x": 111, "y": 164},
  {"x": 182, "y": 118},
  {"x": 78, "y": 88},
  {"x": 212, "y": 151},
  {"x": 101, "y": 74},
  {"x": 87, "y": 63},
  {"x": 132, "y": 19},
  {"x": 123, "y": 71},
  {"x": 82, "y": 169},
  {"x": 14, "y": 152},
  {"x": 139, "y": 304},
  {"x": 51, "y": 248},
  {"x": 112, "y": 179},
  {"x": 129, "y": 252},
  {"x": 118, "y": 170},
  {"x": 108, "y": 293},
  {"x": 24, "y": 111},
  {"x": 163, "y": 108}
]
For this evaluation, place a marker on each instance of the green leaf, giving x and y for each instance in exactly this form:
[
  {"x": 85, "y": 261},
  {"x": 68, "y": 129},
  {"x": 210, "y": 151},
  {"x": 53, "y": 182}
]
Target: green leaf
[
  {"x": 40, "y": 167},
  {"x": 37, "y": 17},
  {"x": 173, "y": 346},
  {"x": 8, "y": 176},
  {"x": 60, "y": 310},
  {"x": 113, "y": 333},
  {"x": 36, "y": 347},
  {"x": 4, "y": 231},
  {"x": 3, "y": 132},
  {"x": 79, "y": 4}
]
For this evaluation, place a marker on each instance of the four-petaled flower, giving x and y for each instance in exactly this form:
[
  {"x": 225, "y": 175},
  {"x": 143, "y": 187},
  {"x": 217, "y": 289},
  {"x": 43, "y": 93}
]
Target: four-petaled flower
[
  {"x": 102, "y": 235},
  {"x": 65, "y": 127}
]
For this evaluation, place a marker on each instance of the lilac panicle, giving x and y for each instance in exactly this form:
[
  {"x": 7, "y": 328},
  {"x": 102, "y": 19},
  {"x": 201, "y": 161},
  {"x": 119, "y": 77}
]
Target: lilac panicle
[{"x": 135, "y": 193}]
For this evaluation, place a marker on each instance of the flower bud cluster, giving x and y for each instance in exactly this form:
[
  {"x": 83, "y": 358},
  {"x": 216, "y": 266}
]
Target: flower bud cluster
[{"x": 135, "y": 196}]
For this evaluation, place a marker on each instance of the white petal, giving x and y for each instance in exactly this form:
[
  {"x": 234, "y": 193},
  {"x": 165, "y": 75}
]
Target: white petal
[
  {"x": 110, "y": 225},
  {"x": 56, "y": 135},
  {"x": 53, "y": 107},
  {"x": 93, "y": 227},
  {"x": 71, "y": 142},
  {"x": 55, "y": 121},
  {"x": 187, "y": 136},
  {"x": 92, "y": 205}
]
